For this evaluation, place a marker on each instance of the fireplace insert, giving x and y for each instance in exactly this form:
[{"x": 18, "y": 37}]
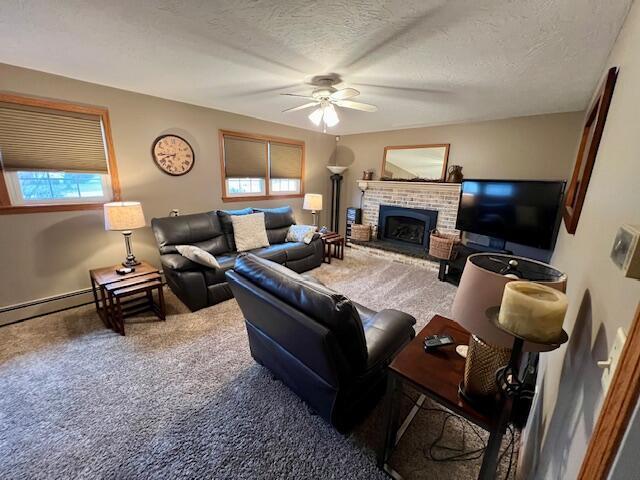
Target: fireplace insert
[{"x": 409, "y": 227}]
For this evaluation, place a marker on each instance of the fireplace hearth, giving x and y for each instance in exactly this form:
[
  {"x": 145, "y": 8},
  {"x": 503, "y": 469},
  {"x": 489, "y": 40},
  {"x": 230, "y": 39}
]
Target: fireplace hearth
[{"x": 408, "y": 228}]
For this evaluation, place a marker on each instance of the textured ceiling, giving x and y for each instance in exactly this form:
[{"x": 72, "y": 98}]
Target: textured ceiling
[{"x": 422, "y": 62}]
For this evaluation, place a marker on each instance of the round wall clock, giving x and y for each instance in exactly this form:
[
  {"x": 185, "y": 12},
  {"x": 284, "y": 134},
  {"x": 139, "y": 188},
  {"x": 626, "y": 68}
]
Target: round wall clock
[{"x": 173, "y": 154}]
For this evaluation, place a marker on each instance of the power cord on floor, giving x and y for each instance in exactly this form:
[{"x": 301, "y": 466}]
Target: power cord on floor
[{"x": 475, "y": 454}]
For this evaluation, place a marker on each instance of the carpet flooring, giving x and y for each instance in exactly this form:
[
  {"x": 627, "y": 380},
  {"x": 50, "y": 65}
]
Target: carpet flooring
[{"x": 184, "y": 399}]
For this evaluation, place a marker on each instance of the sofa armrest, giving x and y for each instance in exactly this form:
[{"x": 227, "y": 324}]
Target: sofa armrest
[
  {"x": 177, "y": 262},
  {"x": 386, "y": 333},
  {"x": 310, "y": 278}
]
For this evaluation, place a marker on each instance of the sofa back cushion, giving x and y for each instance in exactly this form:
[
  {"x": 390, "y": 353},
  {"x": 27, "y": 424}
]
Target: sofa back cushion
[
  {"x": 331, "y": 309},
  {"x": 227, "y": 225},
  {"x": 201, "y": 229},
  {"x": 277, "y": 221}
]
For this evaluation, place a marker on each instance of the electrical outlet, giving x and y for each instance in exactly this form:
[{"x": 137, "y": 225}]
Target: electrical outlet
[{"x": 609, "y": 366}]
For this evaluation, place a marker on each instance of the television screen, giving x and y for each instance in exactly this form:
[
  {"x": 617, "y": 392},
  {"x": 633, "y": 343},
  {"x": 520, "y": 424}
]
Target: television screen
[{"x": 523, "y": 212}]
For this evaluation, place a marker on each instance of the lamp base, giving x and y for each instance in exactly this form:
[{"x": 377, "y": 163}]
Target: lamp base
[
  {"x": 483, "y": 361},
  {"x": 130, "y": 261}
]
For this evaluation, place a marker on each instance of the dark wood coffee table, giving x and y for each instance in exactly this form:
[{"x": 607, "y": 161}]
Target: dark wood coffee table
[{"x": 436, "y": 375}]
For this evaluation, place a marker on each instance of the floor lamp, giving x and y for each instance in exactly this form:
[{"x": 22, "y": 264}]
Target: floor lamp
[{"x": 336, "y": 178}]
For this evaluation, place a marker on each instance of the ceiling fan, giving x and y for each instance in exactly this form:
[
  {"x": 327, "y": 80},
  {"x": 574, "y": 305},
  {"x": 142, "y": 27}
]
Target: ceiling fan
[{"x": 326, "y": 97}]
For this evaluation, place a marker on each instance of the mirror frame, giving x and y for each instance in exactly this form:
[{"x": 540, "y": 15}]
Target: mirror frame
[
  {"x": 405, "y": 147},
  {"x": 586, "y": 159}
]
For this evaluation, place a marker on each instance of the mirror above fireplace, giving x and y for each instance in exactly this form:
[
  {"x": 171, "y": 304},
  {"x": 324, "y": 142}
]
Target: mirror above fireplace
[{"x": 427, "y": 163}]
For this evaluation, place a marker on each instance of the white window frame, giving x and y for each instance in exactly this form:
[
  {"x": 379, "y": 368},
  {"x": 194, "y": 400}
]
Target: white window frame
[
  {"x": 15, "y": 192},
  {"x": 261, "y": 193},
  {"x": 296, "y": 190}
]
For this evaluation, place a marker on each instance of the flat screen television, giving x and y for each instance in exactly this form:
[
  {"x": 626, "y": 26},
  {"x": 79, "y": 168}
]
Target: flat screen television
[{"x": 519, "y": 211}]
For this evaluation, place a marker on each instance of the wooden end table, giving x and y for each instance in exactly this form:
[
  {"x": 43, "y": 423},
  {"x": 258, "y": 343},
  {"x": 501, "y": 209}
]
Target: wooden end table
[
  {"x": 119, "y": 296},
  {"x": 335, "y": 240},
  {"x": 436, "y": 375}
]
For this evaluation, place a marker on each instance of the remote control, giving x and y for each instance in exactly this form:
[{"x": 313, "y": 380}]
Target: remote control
[{"x": 432, "y": 342}]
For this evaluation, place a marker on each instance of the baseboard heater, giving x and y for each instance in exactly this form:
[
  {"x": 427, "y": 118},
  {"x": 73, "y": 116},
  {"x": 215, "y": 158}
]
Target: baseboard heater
[{"x": 44, "y": 306}]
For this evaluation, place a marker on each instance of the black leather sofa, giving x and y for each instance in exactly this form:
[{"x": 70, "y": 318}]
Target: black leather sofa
[
  {"x": 199, "y": 286},
  {"x": 330, "y": 351}
]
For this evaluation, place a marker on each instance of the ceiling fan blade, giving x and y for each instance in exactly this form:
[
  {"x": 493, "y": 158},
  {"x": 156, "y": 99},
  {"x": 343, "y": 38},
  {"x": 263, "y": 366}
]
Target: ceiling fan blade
[
  {"x": 296, "y": 95},
  {"x": 344, "y": 94},
  {"x": 365, "y": 107},
  {"x": 301, "y": 107}
]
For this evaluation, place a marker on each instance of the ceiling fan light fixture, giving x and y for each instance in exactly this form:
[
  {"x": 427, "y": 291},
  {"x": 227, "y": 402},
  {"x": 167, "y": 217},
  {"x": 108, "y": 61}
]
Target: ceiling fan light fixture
[
  {"x": 316, "y": 116},
  {"x": 330, "y": 116}
]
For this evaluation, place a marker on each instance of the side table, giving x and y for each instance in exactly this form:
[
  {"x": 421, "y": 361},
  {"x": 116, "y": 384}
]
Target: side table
[
  {"x": 335, "y": 240},
  {"x": 436, "y": 375},
  {"x": 119, "y": 296}
]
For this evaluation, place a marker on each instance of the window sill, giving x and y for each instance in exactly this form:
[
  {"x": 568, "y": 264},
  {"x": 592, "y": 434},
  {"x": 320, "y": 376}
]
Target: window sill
[
  {"x": 248, "y": 198},
  {"x": 39, "y": 208}
]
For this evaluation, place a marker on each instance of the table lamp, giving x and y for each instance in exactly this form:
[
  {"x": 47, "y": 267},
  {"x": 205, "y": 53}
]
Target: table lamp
[
  {"x": 313, "y": 202},
  {"x": 124, "y": 216},
  {"x": 482, "y": 286}
]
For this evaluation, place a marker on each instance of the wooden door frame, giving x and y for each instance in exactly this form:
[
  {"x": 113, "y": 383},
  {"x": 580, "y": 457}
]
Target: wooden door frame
[{"x": 616, "y": 410}]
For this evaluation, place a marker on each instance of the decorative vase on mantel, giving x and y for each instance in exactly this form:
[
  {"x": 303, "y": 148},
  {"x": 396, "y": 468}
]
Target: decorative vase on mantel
[
  {"x": 455, "y": 174},
  {"x": 367, "y": 175}
]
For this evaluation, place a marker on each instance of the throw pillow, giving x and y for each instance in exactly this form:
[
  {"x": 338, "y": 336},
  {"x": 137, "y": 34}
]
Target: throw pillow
[
  {"x": 301, "y": 233},
  {"x": 198, "y": 255},
  {"x": 249, "y": 231}
]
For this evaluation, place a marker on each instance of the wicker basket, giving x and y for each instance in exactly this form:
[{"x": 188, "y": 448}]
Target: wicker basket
[
  {"x": 441, "y": 245},
  {"x": 361, "y": 233}
]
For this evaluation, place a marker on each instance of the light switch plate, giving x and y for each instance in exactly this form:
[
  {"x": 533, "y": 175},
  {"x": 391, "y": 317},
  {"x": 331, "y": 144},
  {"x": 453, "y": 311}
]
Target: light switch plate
[{"x": 614, "y": 357}]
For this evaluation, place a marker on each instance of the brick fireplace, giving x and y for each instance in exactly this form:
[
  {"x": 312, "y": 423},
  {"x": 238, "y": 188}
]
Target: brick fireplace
[
  {"x": 417, "y": 208},
  {"x": 440, "y": 197}
]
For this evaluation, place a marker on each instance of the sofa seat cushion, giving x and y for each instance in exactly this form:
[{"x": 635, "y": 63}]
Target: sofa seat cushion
[
  {"x": 213, "y": 276},
  {"x": 275, "y": 253},
  {"x": 297, "y": 250}
]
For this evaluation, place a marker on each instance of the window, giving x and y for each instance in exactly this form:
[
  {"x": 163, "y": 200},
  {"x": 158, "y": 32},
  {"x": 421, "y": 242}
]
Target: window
[
  {"x": 257, "y": 166},
  {"x": 245, "y": 186},
  {"x": 54, "y": 156},
  {"x": 38, "y": 187},
  {"x": 285, "y": 185}
]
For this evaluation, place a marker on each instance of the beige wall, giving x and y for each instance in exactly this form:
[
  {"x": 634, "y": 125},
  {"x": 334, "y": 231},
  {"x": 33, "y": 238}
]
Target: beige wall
[
  {"x": 600, "y": 298},
  {"x": 535, "y": 147},
  {"x": 45, "y": 254}
]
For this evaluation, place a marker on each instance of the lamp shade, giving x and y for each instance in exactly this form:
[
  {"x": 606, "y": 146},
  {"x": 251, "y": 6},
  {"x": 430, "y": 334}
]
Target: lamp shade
[
  {"x": 123, "y": 216},
  {"x": 312, "y": 201},
  {"x": 482, "y": 286}
]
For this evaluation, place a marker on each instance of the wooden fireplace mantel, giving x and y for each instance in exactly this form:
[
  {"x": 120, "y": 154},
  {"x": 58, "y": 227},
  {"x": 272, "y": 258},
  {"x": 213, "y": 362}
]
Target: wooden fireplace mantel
[{"x": 365, "y": 184}]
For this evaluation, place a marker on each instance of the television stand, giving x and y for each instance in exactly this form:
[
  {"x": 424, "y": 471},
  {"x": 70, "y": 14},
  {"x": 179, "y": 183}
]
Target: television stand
[{"x": 451, "y": 270}]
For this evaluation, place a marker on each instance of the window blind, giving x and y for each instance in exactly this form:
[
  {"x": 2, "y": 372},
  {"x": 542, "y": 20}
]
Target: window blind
[
  {"x": 244, "y": 157},
  {"x": 44, "y": 140},
  {"x": 286, "y": 160}
]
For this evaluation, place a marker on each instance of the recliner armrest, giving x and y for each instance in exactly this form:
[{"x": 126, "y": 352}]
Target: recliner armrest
[
  {"x": 386, "y": 333},
  {"x": 177, "y": 262}
]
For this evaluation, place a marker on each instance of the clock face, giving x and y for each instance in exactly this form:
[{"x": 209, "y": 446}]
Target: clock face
[{"x": 173, "y": 154}]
